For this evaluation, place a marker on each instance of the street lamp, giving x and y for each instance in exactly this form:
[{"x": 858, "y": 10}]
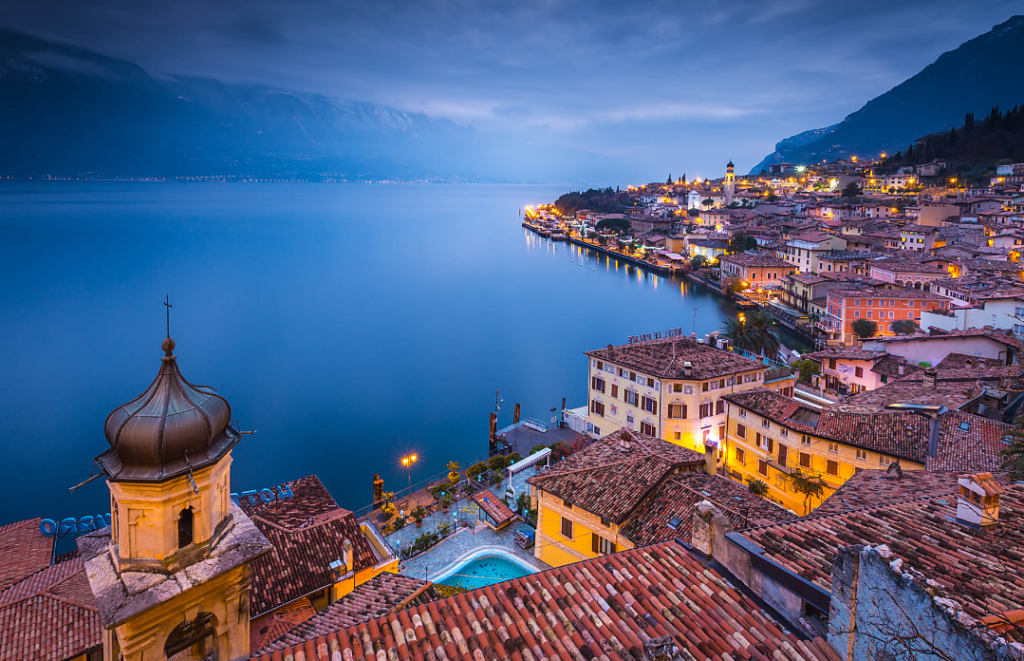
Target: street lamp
[{"x": 408, "y": 461}]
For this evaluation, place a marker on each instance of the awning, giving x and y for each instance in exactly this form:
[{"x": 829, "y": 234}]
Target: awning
[{"x": 495, "y": 508}]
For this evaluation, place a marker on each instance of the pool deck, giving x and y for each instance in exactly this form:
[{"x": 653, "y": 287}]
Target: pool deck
[{"x": 464, "y": 543}]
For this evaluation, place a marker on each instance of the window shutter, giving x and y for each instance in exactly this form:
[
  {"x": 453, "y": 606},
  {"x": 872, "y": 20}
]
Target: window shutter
[
  {"x": 783, "y": 454},
  {"x": 595, "y": 543},
  {"x": 771, "y": 445}
]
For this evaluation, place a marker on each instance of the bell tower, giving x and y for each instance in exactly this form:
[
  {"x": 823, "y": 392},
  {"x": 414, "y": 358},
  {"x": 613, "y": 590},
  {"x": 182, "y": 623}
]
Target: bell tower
[
  {"x": 730, "y": 183},
  {"x": 171, "y": 575}
]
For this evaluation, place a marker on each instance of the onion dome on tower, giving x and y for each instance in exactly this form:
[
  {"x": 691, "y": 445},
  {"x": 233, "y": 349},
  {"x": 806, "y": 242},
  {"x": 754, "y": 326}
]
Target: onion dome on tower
[{"x": 172, "y": 427}]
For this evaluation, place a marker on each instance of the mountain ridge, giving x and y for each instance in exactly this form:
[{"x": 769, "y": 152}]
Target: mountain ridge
[{"x": 923, "y": 104}]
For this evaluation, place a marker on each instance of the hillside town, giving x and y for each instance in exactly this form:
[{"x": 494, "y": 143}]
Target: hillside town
[{"x": 716, "y": 497}]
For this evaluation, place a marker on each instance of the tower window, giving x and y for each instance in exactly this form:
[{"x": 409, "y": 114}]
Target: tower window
[{"x": 185, "y": 519}]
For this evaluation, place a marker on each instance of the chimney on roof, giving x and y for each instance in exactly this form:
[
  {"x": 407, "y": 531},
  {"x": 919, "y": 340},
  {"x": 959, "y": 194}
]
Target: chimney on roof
[
  {"x": 687, "y": 369},
  {"x": 977, "y": 504},
  {"x": 900, "y": 367},
  {"x": 350, "y": 561},
  {"x": 894, "y": 471},
  {"x": 610, "y": 351},
  {"x": 929, "y": 378},
  {"x": 625, "y": 441},
  {"x": 711, "y": 457}
]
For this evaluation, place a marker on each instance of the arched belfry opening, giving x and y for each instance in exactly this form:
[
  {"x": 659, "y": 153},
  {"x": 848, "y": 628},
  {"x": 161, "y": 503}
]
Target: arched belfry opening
[
  {"x": 194, "y": 639},
  {"x": 186, "y": 519}
]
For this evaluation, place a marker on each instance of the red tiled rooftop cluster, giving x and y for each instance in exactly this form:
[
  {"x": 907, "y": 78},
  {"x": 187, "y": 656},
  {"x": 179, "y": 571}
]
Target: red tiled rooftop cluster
[
  {"x": 614, "y": 474},
  {"x": 601, "y": 608},
  {"x": 666, "y": 358},
  {"x": 982, "y": 571},
  {"x": 308, "y": 532}
]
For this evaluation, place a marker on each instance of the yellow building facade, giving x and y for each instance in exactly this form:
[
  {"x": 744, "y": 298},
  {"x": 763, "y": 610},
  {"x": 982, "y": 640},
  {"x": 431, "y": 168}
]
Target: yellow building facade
[
  {"x": 670, "y": 388},
  {"x": 567, "y": 533},
  {"x": 772, "y": 447}
]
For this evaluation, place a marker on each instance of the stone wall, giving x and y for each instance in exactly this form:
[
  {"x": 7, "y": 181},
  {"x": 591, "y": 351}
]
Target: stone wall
[{"x": 897, "y": 614}]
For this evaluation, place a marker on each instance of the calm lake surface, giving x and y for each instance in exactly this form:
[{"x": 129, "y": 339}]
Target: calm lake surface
[{"x": 347, "y": 324}]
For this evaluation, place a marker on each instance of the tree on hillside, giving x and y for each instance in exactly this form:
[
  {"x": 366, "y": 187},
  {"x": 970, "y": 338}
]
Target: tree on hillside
[
  {"x": 740, "y": 242},
  {"x": 708, "y": 202},
  {"x": 864, "y": 328},
  {"x": 698, "y": 262},
  {"x": 851, "y": 191},
  {"x": 615, "y": 224},
  {"x": 669, "y": 180}
]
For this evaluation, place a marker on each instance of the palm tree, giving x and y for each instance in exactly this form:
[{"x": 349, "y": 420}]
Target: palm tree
[
  {"x": 758, "y": 487},
  {"x": 762, "y": 325},
  {"x": 753, "y": 332},
  {"x": 808, "y": 486}
]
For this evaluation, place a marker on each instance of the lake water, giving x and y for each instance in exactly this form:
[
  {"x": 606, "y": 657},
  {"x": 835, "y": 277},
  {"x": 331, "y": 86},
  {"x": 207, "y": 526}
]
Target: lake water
[{"x": 347, "y": 324}]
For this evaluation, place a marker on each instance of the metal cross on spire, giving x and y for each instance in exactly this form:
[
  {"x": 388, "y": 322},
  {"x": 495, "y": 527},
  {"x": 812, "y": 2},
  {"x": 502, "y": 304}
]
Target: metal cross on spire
[{"x": 167, "y": 302}]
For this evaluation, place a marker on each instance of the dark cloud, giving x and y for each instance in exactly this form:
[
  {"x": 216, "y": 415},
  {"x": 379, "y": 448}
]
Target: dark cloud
[{"x": 660, "y": 85}]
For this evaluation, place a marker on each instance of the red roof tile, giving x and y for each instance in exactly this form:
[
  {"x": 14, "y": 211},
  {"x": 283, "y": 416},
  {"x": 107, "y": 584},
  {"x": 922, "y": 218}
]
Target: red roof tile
[
  {"x": 608, "y": 607},
  {"x": 982, "y": 571},
  {"x": 308, "y": 532},
  {"x": 376, "y": 598},
  {"x": 23, "y": 551},
  {"x": 493, "y": 506},
  {"x": 613, "y": 475},
  {"x": 50, "y": 615},
  {"x": 270, "y": 627},
  {"x": 666, "y": 358},
  {"x": 677, "y": 499}
]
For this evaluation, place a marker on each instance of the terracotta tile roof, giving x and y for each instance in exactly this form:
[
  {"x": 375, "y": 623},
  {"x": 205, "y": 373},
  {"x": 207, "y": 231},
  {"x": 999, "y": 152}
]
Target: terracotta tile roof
[
  {"x": 905, "y": 266},
  {"x": 308, "y": 532},
  {"x": 668, "y": 513},
  {"x": 869, "y": 488},
  {"x": 845, "y": 353},
  {"x": 50, "y": 615},
  {"x": 899, "y": 434},
  {"x": 268, "y": 628},
  {"x": 890, "y": 366},
  {"x": 756, "y": 260},
  {"x": 613, "y": 475},
  {"x": 607, "y": 607},
  {"x": 665, "y": 359},
  {"x": 982, "y": 571},
  {"x": 493, "y": 506},
  {"x": 956, "y": 361},
  {"x": 809, "y": 278},
  {"x": 23, "y": 551},
  {"x": 913, "y": 389},
  {"x": 383, "y": 594},
  {"x": 968, "y": 443},
  {"x": 939, "y": 335}
]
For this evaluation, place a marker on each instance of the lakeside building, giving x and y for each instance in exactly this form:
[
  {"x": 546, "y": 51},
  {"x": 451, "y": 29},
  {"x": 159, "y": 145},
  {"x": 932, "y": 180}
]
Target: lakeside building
[
  {"x": 628, "y": 490},
  {"x": 883, "y": 307},
  {"x": 670, "y": 388},
  {"x": 804, "y": 250},
  {"x": 772, "y": 437},
  {"x": 755, "y": 269}
]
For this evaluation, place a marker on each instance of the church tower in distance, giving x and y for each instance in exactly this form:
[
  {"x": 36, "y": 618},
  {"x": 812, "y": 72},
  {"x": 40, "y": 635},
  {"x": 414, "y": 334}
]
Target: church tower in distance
[{"x": 730, "y": 183}]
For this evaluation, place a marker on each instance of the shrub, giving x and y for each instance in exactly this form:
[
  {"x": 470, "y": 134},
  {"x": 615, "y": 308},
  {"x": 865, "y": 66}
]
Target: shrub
[
  {"x": 473, "y": 471},
  {"x": 514, "y": 457},
  {"x": 560, "y": 450},
  {"x": 537, "y": 448},
  {"x": 418, "y": 514},
  {"x": 439, "y": 489},
  {"x": 388, "y": 508},
  {"x": 498, "y": 462},
  {"x": 808, "y": 368}
]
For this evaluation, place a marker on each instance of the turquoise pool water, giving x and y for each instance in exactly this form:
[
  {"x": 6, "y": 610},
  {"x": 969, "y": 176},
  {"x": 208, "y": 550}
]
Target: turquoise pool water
[{"x": 484, "y": 571}]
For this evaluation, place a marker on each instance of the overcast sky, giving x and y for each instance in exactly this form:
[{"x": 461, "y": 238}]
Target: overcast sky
[{"x": 653, "y": 86}]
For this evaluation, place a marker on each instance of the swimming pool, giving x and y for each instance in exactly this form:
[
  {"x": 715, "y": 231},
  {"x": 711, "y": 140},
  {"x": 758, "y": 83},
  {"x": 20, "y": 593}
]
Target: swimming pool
[{"x": 485, "y": 569}]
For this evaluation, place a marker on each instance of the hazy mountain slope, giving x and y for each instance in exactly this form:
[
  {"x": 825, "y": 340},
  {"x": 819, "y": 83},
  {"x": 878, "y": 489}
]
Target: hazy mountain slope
[
  {"x": 66, "y": 111},
  {"x": 984, "y": 72}
]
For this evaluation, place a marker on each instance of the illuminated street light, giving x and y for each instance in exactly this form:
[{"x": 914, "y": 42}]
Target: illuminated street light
[{"x": 408, "y": 461}]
